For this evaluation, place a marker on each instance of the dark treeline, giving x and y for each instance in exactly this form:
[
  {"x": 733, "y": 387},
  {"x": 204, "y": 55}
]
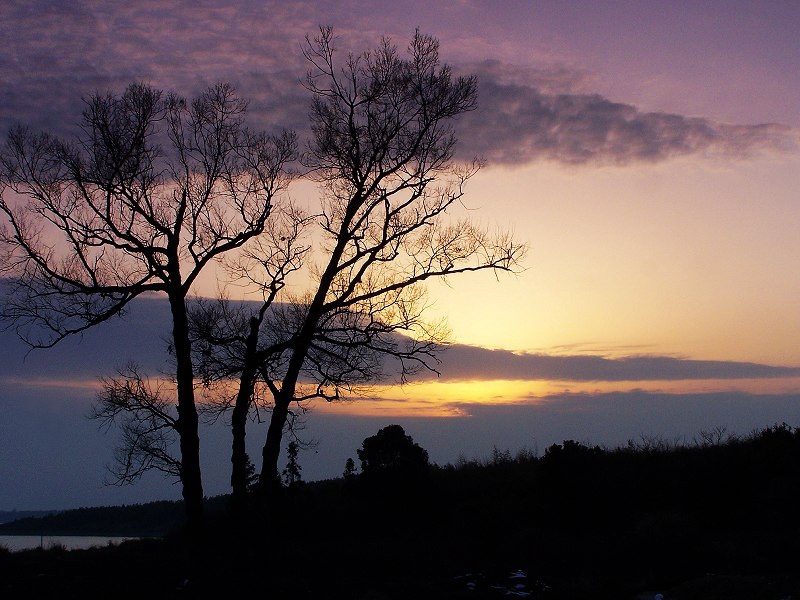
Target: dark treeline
[
  {"x": 7, "y": 516},
  {"x": 716, "y": 518},
  {"x": 136, "y": 520}
]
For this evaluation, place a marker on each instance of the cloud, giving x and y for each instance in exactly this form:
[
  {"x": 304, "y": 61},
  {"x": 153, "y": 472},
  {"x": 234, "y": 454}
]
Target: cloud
[
  {"x": 531, "y": 116},
  {"x": 462, "y": 362},
  {"x": 141, "y": 337},
  {"x": 55, "y": 53},
  {"x": 41, "y": 421}
]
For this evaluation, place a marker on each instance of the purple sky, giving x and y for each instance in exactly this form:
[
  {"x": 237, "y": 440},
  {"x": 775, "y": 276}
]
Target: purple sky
[{"x": 620, "y": 82}]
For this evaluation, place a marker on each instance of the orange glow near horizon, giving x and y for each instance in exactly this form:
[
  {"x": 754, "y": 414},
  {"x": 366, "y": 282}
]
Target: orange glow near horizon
[
  {"x": 91, "y": 384},
  {"x": 447, "y": 399},
  {"x": 453, "y": 399}
]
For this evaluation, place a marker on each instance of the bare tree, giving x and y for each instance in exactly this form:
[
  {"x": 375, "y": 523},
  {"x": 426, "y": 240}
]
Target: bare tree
[
  {"x": 381, "y": 151},
  {"x": 151, "y": 191}
]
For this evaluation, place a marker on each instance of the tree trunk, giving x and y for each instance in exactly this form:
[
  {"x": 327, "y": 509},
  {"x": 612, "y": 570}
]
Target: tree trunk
[
  {"x": 269, "y": 477},
  {"x": 239, "y": 417},
  {"x": 187, "y": 415}
]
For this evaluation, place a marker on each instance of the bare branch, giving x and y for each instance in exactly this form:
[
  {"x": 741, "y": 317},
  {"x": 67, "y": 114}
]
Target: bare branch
[
  {"x": 146, "y": 418},
  {"x": 153, "y": 190}
]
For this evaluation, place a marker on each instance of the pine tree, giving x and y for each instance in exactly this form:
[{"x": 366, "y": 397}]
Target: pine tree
[{"x": 291, "y": 474}]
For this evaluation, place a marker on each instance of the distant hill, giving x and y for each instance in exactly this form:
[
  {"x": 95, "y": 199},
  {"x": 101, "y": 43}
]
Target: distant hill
[
  {"x": 138, "y": 520},
  {"x": 7, "y": 516}
]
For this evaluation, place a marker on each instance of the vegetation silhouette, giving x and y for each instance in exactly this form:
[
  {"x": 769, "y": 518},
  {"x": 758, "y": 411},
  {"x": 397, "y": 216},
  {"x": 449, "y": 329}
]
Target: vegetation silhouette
[
  {"x": 393, "y": 468},
  {"x": 152, "y": 190},
  {"x": 349, "y": 469},
  {"x": 381, "y": 150},
  {"x": 392, "y": 453},
  {"x": 704, "y": 520},
  {"x": 292, "y": 475},
  {"x": 155, "y": 187}
]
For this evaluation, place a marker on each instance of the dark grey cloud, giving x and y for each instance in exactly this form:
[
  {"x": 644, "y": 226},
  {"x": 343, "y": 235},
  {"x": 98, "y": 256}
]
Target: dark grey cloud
[
  {"x": 462, "y": 362},
  {"x": 140, "y": 337},
  {"x": 613, "y": 418},
  {"x": 531, "y": 116},
  {"x": 55, "y": 52}
]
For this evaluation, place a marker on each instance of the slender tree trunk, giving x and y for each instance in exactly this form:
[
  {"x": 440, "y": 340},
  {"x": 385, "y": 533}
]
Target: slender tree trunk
[
  {"x": 239, "y": 418},
  {"x": 187, "y": 415},
  {"x": 269, "y": 477}
]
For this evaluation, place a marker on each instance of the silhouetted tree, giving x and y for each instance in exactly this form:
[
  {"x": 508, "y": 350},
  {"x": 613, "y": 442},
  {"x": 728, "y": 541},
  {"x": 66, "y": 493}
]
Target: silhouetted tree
[
  {"x": 349, "y": 469},
  {"x": 381, "y": 151},
  {"x": 152, "y": 190},
  {"x": 231, "y": 340},
  {"x": 250, "y": 474},
  {"x": 392, "y": 451},
  {"x": 291, "y": 474}
]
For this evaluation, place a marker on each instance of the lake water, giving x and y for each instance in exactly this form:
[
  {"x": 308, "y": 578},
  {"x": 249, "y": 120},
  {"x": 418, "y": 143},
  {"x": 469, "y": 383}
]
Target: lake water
[{"x": 16, "y": 543}]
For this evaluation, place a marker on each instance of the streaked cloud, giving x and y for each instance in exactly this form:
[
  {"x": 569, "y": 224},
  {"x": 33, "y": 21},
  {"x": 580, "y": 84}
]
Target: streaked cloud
[
  {"x": 140, "y": 337},
  {"x": 460, "y": 362}
]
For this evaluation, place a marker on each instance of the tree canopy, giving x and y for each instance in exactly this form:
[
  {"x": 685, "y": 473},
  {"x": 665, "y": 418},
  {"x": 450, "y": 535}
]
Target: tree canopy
[{"x": 392, "y": 451}]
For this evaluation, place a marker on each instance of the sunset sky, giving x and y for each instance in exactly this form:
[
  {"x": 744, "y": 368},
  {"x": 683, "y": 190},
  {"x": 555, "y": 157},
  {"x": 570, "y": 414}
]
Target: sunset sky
[{"x": 647, "y": 152}]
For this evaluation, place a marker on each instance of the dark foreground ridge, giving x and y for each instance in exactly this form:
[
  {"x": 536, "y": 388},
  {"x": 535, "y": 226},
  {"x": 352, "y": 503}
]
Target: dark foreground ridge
[{"x": 717, "y": 519}]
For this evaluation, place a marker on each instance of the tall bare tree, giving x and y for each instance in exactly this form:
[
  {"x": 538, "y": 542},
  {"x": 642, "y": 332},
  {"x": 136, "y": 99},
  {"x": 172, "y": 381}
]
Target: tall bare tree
[
  {"x": 381, "y": 151},
  {"x": 152, "y": 190}
]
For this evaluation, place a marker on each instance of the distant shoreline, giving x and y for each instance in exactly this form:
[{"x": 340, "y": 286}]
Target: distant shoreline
[
  {"x": 9, "y": 516},
  {"x": 18, "y": 542}
]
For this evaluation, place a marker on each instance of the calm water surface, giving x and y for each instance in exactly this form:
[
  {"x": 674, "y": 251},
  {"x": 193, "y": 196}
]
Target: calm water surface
[{"x": 16, "y": 543}]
